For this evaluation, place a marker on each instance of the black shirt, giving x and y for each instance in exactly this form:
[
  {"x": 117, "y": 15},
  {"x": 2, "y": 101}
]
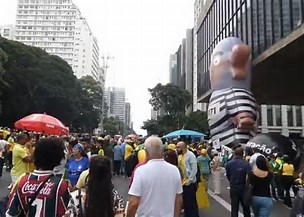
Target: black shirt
[
  {"x": 236, "y": 171},
  {"x": 260, "y": 186}
]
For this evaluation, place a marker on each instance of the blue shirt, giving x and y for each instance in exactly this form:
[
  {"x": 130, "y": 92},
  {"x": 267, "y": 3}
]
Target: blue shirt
[
  {"x": 75, "y": 168},
  {"x": 123, "y": 148},
  {"x": 117, "y": 152},
  {"x": 236, "y": 171}
]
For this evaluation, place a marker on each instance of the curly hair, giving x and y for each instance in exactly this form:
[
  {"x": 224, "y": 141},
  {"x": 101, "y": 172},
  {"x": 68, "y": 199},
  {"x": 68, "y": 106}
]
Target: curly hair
[
  {"x": 48, "y": 153},
  {"x": 99, "y": 200}
]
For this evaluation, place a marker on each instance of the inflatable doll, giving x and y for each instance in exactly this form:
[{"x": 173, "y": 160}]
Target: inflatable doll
[{"x": 232, "y": 110}]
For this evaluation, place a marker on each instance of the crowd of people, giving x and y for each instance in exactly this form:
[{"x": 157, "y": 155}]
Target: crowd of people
[{"x": 70, "y": 175}]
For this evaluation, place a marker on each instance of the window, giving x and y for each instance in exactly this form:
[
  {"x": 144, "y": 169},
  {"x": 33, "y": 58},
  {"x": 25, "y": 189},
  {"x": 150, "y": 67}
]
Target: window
[
  {"x": 289, "y": 115},
  {"x": 278, "y": 115},
  {"x": 269, "y": 115},
  {"x": 298, "y": 116}
]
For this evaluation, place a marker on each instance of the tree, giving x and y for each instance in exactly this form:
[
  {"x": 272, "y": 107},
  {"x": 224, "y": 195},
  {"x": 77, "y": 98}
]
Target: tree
[
  {"x": 3, "y": 60},
  {"x": 37, "y": 82},
  {"x": 197, "y": 121},
  {"x": 152, "y": 127},
  {"x": 90, "y": 104},
  {"x": 93, "y": 90},
  {"x": 113, "y": 125},
  {"x": 172, "y": 99}
]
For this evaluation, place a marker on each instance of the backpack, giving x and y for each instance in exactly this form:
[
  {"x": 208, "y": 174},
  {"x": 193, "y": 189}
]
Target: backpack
[{"x": 204, "y": 166}]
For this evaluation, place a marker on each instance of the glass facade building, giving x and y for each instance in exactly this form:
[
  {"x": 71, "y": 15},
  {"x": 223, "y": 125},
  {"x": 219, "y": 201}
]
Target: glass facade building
[{"x": 259, "y": 23}]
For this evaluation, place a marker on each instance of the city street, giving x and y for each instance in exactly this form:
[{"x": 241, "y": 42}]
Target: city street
[{"x": 219, "y": 206}]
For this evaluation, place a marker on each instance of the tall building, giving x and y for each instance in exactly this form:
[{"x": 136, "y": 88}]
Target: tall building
[
  {"x": 7, "y": 31},
  {"x": 198, "y": 6},
  {"x": 128, "y": 114},
  {"x": 49, "y": 25},
  {"x": 86, "y": 50},
  {"x": 115, "y": 101},
  {"x": 155, "y": 114},
  {"x": 181, "y": 66},
  {"x": 173, "y": 76},
  {"x": 188, "y": 65},
  {"x": 58, "y": 27}
]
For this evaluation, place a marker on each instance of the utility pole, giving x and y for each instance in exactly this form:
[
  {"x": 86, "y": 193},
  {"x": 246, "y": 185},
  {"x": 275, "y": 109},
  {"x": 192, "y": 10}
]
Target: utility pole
[{"x": 105, "y": 65}]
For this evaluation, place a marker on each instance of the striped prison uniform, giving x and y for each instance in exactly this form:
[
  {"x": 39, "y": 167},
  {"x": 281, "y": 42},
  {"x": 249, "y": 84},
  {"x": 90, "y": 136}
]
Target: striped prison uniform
[{"x": 224, "y": 105}]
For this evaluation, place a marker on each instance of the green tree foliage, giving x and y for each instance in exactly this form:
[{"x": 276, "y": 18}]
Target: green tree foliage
[
  {"x": 90, "y": 105},
  {"x": 38, "y": 82},
  {"x": 93, "y": 90},
  {"x": 173, "y": 100},
  {"x": 197, "y": 121},
  {"x": 3, "y": 59},
  {"x": 112, "y": 126}
]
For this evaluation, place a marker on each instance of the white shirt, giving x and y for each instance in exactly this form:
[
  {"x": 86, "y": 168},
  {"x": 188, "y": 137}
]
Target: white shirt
[
  {"x": 156, "y": 183},
  {"x": 3, "y": 144},
  {"x": 252, "y": 160}
]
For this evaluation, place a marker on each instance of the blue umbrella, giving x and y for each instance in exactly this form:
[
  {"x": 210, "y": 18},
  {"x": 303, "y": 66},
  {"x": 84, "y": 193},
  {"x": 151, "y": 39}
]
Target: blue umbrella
[{"x": 179, "y": 133}]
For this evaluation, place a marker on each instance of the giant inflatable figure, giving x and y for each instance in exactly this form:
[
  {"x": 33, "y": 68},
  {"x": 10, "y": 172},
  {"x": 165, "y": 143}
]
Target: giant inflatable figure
[{"x": 232, "y": 110}]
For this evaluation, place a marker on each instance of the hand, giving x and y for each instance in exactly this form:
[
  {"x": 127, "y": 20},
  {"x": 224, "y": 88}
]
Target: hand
[{"x": 244, "y": 120}]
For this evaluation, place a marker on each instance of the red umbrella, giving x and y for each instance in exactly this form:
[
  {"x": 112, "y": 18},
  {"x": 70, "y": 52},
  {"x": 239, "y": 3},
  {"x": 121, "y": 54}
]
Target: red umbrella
[{"x": 42, "y": 123}]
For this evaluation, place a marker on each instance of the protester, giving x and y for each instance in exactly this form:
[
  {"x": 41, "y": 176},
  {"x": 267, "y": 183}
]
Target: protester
[
  {"x": 3, "y": 147},
  {"x": 216, "y": 172},
  {"x": 77, "y": 164},
  {"x": 236, "y": 172},
  {"x": 99, "y": 198},
  {"x": 204, "y": 166},
  {"x": 188, "y": 167},
  {"x": 117, "y": 158},
  {"x": 49, "y": 192},
  {"x": 150, "y": 194},
  {"x": 21, "y": 158},
  {"x": 287, "y": 179},
  {"x": 260, "y": 179}
]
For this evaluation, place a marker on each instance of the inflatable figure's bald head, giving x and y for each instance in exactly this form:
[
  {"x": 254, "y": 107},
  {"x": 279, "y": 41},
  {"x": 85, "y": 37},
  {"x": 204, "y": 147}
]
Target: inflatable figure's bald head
[{"x": 230, "y": 65}]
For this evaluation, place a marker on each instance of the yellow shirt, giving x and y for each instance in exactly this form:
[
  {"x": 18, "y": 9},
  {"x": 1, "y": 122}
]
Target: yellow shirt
[
  {"x": 81, "y": 183},
  {"x": 287, "y": 170},
  {"x": 141, "y": 155},
  {"x": 12, "y": 143},
  {"x": 30, "y": 151},
  {"x": 19, "y": 167},
  {"x": 101, "y": 152},
  {"x": 128, "y": 151},
  {"x": 182, "y": 167}
]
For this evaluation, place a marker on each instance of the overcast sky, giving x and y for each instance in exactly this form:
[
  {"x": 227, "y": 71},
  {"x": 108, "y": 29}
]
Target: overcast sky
[{"x": 140, "y": 34}]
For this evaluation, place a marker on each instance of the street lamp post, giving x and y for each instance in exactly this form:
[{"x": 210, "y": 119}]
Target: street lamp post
[{"x": 105, "y": 65}]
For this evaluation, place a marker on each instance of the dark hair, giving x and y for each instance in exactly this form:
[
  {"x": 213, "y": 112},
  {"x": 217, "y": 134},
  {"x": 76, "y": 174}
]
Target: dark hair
[
  {"x": 21, "y": 136},
  {"x": 48, "y": 153},
  {"x": 239, "y": 152},
  {"x": 261, "y": 163},
  {"x": 171, "y": 157},
  {"x": 99, "y": 200},
  {"x": 249, "y": 151}
]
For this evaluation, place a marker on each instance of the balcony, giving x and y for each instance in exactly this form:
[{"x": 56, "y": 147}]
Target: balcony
[{"x": 273, "y": 29}]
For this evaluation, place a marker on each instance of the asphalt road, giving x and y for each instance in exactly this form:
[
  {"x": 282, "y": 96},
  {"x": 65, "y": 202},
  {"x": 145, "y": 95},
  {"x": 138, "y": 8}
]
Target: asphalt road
[{"x": 219, "y": 205}]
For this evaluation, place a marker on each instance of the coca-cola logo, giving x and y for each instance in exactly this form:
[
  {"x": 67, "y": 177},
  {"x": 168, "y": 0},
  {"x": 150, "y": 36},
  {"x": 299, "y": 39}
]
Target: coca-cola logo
[{"x": 31, "y": 187}]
